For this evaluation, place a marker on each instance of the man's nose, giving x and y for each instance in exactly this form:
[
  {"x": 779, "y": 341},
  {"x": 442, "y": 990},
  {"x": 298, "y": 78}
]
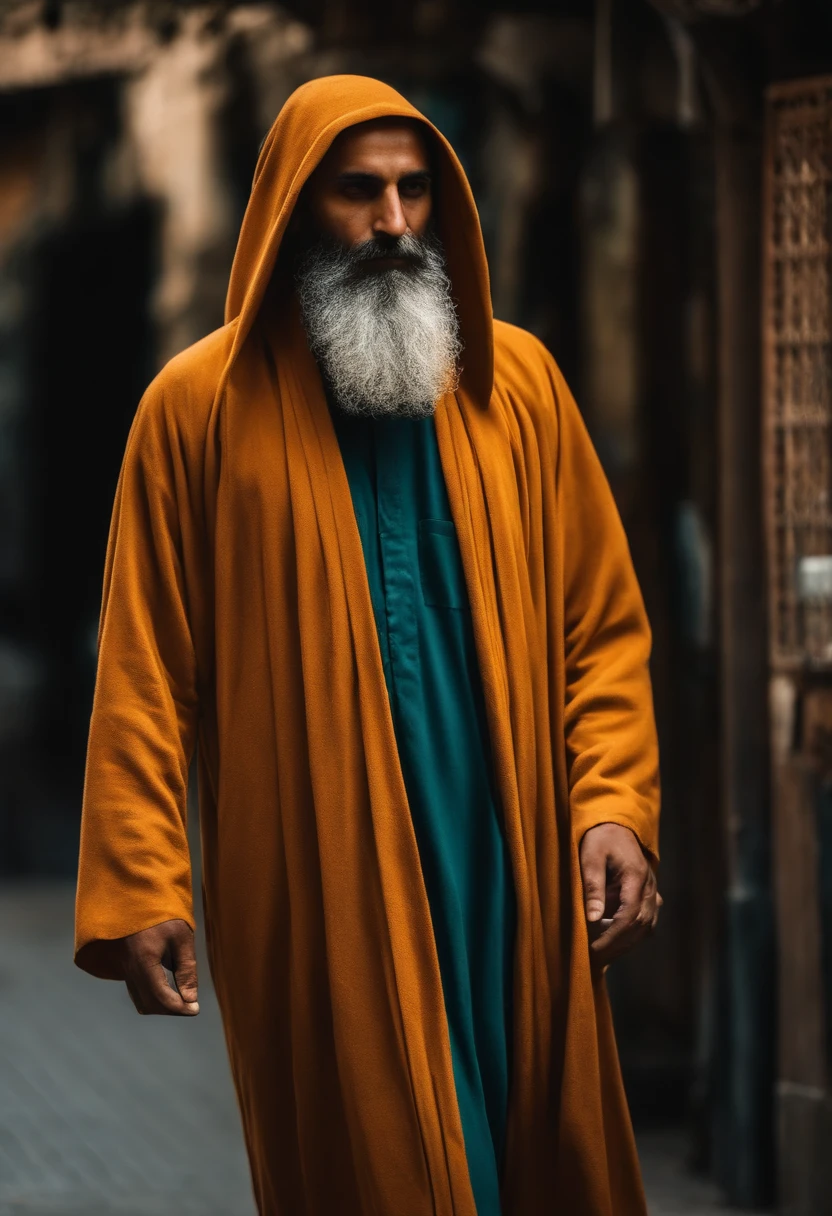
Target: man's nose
[{"x": 391, "y": 219}]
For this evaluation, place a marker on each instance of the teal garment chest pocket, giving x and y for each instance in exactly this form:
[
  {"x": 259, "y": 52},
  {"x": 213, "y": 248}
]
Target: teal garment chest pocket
[{"x": 440, "y": 565}]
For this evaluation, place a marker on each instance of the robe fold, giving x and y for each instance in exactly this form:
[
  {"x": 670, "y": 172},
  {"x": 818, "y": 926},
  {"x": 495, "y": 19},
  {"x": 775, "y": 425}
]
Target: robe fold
[
  {"x": 417, "y": 586},
  {"x": 237, "y": 619}
]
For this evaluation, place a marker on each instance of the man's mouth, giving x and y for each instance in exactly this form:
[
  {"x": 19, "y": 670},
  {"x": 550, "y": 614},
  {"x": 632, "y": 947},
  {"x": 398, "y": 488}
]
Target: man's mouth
[{"x": 389, "y": 263}]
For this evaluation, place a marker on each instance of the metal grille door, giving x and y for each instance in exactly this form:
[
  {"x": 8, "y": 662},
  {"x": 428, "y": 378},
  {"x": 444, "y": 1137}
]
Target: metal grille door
[{"x": 797, "y": 373}]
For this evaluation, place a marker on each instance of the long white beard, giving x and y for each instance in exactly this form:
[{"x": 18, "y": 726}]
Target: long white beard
[{"x": 387, "y": 341}]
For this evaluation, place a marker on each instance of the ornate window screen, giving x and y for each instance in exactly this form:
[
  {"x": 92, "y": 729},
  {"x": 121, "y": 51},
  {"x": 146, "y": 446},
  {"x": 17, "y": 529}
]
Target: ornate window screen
[{"x": 797, "y": 371}]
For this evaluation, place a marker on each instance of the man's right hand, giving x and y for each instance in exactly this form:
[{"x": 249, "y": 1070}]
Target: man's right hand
[{"x": 143, "y": 957}]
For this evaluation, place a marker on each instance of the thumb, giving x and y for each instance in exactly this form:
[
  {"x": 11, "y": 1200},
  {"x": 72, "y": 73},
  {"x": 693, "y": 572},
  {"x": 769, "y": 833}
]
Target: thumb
[
  {"x": 594, "y": 875},
  {"x": 183, "y": 957}
]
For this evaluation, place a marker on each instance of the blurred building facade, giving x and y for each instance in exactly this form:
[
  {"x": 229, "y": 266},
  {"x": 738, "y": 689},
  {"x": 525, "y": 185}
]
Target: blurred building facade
[{"x": 617, "y": 153}]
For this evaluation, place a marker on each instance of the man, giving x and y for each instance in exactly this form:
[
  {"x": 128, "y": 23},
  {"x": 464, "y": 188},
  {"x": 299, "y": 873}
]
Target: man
[{"x": 363, "y": 553}]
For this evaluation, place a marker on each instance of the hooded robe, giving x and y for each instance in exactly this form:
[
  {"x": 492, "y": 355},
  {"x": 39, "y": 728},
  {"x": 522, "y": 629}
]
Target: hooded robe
[{"x": 237, "y": 619}]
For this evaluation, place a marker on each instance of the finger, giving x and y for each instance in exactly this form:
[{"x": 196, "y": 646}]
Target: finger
[
  {"x": 134, "y": 996},
  {"x": 596, "y": 928},
  {"x": 594, "y": 875},
  {"x": 650, "y": 895},
  {"x": 630, "y": 919},
  {"x": 156, "y": 995},
  {"x": 622, "y": 944},
  {"x": 183, "y": 959}
]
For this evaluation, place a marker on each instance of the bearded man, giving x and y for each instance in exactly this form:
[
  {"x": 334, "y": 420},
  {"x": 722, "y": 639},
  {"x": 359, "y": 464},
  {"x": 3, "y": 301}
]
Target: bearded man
[{"x": 364, "y": 559}]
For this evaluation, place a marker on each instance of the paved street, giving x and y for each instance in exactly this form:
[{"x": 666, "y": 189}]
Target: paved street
[{"x": 104, "y": 1113}]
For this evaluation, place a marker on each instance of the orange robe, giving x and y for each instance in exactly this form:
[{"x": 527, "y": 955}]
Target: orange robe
[{"x": 236, "y": 615}]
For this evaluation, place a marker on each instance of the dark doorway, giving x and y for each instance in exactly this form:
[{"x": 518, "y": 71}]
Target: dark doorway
[{"x": 88, "y": 341}]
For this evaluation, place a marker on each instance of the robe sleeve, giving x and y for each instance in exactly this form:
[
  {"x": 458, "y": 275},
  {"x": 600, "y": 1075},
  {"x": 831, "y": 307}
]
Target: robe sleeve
[
  {"x": 134, "y": 865},
  {"x": 610, "y": 732}
]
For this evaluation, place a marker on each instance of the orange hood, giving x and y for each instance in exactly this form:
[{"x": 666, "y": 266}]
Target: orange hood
[{"x": 298, "y": 140}]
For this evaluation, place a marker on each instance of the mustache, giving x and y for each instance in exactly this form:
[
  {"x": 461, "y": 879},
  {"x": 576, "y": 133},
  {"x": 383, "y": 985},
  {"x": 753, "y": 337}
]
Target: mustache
[
  {"x": 407, "y": 247},
  {"x": 350, "y": 260}
]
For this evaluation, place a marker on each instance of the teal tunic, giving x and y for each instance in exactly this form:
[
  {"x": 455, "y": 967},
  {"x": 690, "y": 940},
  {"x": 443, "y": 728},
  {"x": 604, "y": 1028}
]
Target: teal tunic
[{"x": 426, "y": 640}]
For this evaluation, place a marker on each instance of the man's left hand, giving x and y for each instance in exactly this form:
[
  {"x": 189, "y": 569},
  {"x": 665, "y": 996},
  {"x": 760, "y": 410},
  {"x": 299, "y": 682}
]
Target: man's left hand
[{"x": 618, "y": 882}]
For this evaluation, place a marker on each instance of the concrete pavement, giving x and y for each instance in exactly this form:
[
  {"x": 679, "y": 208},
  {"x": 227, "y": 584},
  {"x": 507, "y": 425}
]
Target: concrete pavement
[{"x": 104, "y": 1113}]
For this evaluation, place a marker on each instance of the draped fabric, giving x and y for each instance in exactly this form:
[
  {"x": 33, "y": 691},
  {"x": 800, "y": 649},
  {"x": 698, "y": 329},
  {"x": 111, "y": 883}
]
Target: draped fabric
[
  {"x": 427, "y": 645},
  {"x": 236, "y": 618}
]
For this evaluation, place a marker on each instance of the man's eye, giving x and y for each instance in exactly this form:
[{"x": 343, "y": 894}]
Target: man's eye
[
  {"x": 356, "y": 191},
  {"x": 414, "y": 189}
]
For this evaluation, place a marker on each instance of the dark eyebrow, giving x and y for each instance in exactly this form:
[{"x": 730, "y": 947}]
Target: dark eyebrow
[
  {"x": 371, "y": 179},
  {"x": 418, "y": 175}
]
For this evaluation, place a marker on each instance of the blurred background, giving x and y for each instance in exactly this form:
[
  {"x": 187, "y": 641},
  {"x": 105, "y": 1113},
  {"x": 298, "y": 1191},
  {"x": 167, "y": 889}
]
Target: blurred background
[{"x": 654, "y": 180}]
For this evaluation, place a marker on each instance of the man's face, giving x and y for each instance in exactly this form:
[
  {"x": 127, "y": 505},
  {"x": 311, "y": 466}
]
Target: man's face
[
  {"x": 370, "y": 275},
  {"x": 374, "y": 184}
]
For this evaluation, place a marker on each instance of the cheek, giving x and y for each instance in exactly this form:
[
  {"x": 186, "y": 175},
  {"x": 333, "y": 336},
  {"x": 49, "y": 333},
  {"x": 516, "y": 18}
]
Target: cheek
[
  {"x": 339, "y": 218},
  {"x": 418, "y": 213},
  {"x": 348, "y": 222}
]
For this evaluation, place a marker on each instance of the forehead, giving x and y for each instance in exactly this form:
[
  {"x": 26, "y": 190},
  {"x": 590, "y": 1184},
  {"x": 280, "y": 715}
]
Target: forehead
[{"x": 378, "y": 146}]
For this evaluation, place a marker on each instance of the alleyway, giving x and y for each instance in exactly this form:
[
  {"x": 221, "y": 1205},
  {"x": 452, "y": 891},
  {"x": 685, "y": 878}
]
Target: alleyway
[{"x": 104, "y": 1113}]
